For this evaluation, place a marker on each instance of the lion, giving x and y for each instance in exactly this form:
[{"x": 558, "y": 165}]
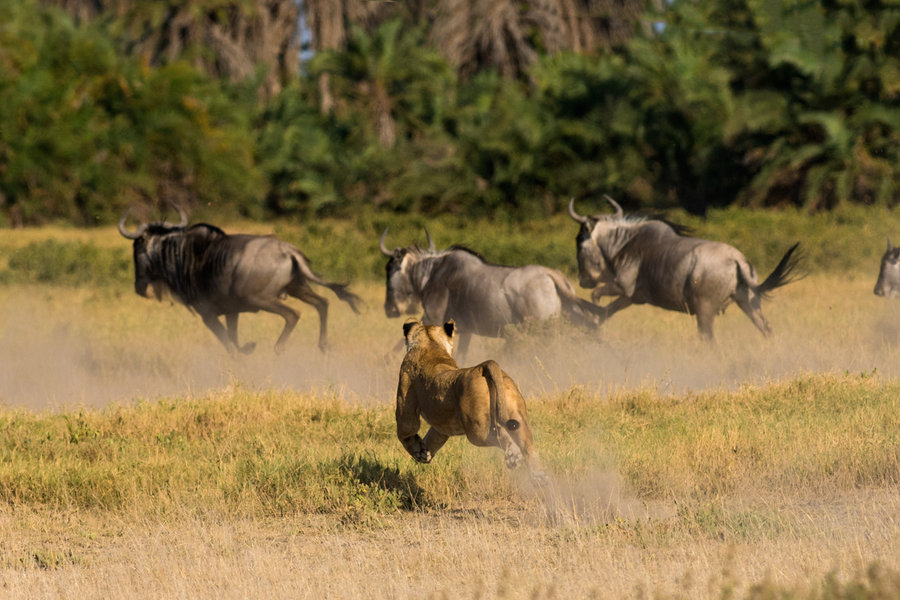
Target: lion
[{"x": 481, "y": 402}]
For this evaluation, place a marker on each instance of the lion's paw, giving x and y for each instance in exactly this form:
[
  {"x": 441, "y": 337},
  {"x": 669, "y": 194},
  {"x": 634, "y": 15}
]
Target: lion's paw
[
  {"x": 513, "y": 456},
  {"x": 422, "y": 456},
  {"x": 418, "y": 450}
]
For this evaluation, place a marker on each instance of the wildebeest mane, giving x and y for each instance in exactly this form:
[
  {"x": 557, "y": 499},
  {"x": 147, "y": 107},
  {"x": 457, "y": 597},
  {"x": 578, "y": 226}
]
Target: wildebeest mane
[
  {"x": 213, "y": 230},
  {"x": 679, "y": 228},
  {"x": 474, "y": 253},
  {"x": 181, "y": 255},
  {"x": 165, "y": 229}
]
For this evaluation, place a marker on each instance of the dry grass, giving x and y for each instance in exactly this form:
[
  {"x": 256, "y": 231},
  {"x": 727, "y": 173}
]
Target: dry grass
[
  {"x": 681, "y": 470},
  {"x": 470, "y": 553}
]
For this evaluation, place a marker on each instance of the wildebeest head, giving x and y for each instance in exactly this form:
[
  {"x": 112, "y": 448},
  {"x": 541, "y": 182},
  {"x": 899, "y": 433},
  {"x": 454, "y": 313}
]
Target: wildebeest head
[
  {"x": 888, "y": 284},
  {"x": 149, "y": 281},
  {"x": 400, "y": 296},
  {"x": 591, "y": 262}
]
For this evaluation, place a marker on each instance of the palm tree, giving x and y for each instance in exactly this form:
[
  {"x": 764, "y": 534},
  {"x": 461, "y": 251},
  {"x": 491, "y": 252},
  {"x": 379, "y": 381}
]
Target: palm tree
[
  {"x": 387, "y": 74},
  {"x": 474, "y": 34},
  {"x": 508, "y": 35},
  {"x": 329, "y": 23},
  {"x": 225, "y": 39}
]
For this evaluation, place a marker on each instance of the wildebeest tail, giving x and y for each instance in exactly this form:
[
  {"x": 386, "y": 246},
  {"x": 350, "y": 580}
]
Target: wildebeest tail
[
  {"x": 301, "y": 263},
  {"x": 341, "y": 291},
  {"x": 579, "y": 309},
  {"x": 499, "y": 416},
  {"x": 784, "y": 273}
]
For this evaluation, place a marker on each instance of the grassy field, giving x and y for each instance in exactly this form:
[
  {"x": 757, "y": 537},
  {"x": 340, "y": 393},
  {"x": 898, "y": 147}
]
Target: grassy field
[{"x": 138, "y": 459}]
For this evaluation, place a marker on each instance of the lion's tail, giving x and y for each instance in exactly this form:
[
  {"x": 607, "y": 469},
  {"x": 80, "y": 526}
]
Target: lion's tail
[{"x": 499, "y": 415}]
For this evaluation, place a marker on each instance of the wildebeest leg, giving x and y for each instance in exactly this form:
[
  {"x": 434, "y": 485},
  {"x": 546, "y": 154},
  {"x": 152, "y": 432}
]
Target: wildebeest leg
[
  {"x": 463, "y": 346},
  {"x": 287, "y": 313},
  {"x": 617, "y": 305},
  {"x": 752, "y": 309},
  {"x": 214, "y": 325},
  {"x": 599, "y": 292},
  {"x": 705, "y": 315},
  {"x": 231, "y": 323},
  {"x": 303, "y": 292}
]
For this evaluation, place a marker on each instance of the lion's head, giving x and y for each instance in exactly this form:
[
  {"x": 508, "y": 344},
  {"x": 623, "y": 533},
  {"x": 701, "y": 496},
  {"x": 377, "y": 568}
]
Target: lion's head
[{"x": 429, "y": 336}]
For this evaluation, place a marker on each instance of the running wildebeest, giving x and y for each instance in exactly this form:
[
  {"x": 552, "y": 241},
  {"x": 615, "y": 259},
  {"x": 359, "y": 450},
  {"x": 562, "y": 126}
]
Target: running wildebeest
[
  {"x": 214, "y": 273},
  {"x": 649, "y": 261},
  {"x": 482, "y": 298},
  {"x": 888, "y": 284}
]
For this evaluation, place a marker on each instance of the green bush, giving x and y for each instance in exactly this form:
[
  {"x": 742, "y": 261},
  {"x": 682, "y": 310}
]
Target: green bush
[
  {"x": 86, "y": 130},
  {"x": 68, "y": 263}
]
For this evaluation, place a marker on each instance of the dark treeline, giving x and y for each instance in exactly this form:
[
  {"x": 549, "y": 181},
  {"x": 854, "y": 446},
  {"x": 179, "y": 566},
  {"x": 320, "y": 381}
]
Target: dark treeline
[{"x": 473, "y": 107}]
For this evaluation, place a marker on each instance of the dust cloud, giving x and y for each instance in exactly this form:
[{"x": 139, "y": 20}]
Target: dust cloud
[
  {"x": 56, "y": 354},
  {"x": 591, "y": 499},
  {"x": 59, "y": 362}
]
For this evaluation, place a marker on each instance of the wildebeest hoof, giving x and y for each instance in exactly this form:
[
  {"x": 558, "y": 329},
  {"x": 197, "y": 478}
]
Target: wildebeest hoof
[
  {"x": 247, "y": 348},
  {"x": 422, "y": 456}
]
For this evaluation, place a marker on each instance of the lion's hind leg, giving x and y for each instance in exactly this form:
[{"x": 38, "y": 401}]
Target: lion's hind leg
[
  {"x": 521, "y": 448},
  {"x": 511, "y": 451},
  {"x": 479, "y": 432},
  {"x": 519, "y": 430}
]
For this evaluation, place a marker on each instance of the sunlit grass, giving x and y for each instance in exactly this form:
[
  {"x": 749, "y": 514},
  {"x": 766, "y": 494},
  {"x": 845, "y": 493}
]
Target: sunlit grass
[
  {"x": 678, "y": 469},
  {"x": 273, "y": 452},
  {"x": 784, "y": 475}
]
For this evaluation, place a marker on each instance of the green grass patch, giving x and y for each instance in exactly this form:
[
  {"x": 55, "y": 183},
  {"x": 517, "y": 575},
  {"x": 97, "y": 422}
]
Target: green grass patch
[
  {"x": 67, "y": 263},
  {"x": 282, "y": 453},
  {"x": 850, "y": 238}
]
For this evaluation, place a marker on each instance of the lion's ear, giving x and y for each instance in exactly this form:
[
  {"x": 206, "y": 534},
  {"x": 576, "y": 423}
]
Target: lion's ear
[
  {"x": 449, "y": 328},
  {"x": 407, "y": 327}
]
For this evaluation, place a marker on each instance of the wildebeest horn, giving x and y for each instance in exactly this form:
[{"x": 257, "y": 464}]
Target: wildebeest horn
[
  {"x": 127, "y": 234},
  {"x": 574, "y": 214},
  {"x": 381, "y": 245},
  {"x": 431, "y": 246},
  {"x": 890, "y": 247},
  {"x": 183, "y": 214},
  {"x": 619, "y": 211}
]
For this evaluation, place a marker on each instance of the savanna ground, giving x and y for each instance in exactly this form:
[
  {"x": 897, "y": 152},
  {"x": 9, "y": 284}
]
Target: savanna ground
[{"x": 138, "y": 459}]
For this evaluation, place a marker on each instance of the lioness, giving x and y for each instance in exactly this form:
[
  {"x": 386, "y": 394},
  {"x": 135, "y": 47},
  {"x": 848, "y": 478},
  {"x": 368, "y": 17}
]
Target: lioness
[{"x": 481, "y": 402}]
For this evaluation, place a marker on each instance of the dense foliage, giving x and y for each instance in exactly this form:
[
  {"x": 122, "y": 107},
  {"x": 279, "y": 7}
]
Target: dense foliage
[
  {"x": 754, "y": 102},
  {"x": 85, "y": 130}
]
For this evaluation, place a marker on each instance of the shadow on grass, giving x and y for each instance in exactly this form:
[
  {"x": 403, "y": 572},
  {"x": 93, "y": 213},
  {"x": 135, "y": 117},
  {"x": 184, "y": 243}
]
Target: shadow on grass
[{"x": 400, "y": 489}]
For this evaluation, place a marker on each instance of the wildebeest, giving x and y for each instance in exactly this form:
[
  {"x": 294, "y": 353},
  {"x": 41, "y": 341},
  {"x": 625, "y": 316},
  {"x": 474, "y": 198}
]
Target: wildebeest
[
  {"x": 888, "y": 284},
  {"x": 214, "y": 273},
  {"x": 650, "y": 261},
  {"x": 482, "y": 298}
]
